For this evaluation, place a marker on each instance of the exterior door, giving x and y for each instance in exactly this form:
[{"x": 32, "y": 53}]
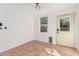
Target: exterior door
[{"x": 65, "y": 30}]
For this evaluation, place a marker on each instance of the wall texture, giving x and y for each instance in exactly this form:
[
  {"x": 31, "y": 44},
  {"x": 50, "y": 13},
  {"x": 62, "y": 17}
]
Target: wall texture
[{"x": 20, "y": 25}]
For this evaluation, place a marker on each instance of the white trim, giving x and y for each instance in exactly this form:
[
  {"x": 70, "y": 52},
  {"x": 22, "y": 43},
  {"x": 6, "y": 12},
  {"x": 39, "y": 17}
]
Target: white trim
[{"x": 72, "y": 14}]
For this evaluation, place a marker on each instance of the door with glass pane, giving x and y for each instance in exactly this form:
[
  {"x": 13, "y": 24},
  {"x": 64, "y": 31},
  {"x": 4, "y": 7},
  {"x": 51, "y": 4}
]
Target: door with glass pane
[{"x": 65, "y": 30}]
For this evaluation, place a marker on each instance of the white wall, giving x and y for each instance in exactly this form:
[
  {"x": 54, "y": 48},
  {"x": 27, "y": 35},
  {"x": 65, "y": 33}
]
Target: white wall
[
  {"x": 20, "y": 25},
  {"x": 77, "y": 27},
  {"x": 51, "y": 28},
  {"x": 51, "y": 24}
]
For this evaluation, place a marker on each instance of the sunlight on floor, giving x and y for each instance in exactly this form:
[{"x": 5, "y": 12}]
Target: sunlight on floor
[{"x": 52, "y": 52}]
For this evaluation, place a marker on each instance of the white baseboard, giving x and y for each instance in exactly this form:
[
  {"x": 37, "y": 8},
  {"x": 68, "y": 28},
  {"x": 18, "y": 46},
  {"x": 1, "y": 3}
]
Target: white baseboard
[{"x": 15, "y": 45}]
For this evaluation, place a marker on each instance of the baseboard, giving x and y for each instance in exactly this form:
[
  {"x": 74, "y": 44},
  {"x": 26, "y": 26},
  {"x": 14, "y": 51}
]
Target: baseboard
[
  {"x": 14, "y": 46},
  {"x": 65, "y": 46},
  {"x": 33, "y": 38}
]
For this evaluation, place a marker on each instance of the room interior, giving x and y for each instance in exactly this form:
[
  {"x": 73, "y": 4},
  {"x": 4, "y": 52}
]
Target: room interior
[{"x": 22, "y": 32}]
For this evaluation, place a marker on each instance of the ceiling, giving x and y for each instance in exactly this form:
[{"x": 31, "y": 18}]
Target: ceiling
[
  {"x": 45, "y": 7},
  {"x": 53, "y": 6},
  {"x": 48, "y": 7}
]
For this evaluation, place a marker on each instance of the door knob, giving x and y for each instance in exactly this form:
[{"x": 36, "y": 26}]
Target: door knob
[{"x": 57, "y": 30}]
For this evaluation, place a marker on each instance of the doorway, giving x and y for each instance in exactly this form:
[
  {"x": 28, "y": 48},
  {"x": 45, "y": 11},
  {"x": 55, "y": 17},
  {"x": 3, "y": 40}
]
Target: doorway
[{"x": 65, "y": 30}]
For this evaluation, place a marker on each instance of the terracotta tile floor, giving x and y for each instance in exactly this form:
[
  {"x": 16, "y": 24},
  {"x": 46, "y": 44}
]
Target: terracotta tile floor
[{"x": 37, "y": 48}]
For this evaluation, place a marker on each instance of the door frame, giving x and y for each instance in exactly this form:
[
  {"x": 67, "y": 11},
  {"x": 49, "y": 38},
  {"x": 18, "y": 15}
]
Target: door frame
[{"x": 74, "y": 43}]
